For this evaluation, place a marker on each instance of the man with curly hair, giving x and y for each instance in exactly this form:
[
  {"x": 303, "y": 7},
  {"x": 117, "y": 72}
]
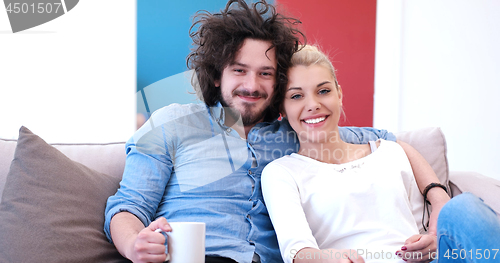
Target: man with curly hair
[{"x": 203, "y": 162}]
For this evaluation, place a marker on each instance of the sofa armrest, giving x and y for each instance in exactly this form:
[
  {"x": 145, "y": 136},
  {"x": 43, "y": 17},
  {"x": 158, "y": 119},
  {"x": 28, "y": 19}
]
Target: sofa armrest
[{"x": 484, "y": 187}]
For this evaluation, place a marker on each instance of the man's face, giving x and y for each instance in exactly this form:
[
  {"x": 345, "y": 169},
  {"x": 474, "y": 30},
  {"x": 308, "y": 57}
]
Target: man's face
[{"x": 247, "y": 84}]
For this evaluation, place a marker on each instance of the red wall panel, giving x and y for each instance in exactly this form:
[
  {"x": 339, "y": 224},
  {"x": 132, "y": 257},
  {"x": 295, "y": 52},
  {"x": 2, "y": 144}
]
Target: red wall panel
[{"x": 344, "y": 29}]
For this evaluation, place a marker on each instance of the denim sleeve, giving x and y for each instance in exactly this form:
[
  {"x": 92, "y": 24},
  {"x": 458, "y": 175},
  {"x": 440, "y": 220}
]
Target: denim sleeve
[
  {"x": 148, "y": 168},
  {"x": 363, "y": 135}
]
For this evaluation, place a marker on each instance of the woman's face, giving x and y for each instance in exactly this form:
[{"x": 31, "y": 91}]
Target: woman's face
[{"x": 312, "y": 103}]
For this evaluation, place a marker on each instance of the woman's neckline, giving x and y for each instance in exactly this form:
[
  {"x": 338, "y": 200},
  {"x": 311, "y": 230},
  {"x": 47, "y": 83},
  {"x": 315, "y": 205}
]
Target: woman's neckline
[{"x": 362, "y": 159}]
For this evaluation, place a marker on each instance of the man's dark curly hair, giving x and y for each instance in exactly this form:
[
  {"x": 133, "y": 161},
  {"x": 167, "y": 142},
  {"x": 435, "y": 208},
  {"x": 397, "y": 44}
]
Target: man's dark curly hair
[{"x": 218, "y": 37}]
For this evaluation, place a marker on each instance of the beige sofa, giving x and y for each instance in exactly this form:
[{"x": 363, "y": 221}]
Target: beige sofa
[{"x": 52, "y": 206}]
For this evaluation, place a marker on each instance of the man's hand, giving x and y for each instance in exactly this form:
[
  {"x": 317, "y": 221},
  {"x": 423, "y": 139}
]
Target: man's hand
[
  {"x": 419, "y": 248},
  {"x": 136, "y": 242},
  {"x": 149, "y": 246}
]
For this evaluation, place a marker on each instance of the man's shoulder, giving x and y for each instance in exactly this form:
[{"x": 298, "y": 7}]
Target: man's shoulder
[
  {"x": 275, "y": 126},
  {"x": 162, "y": 120},
  {"x": 362, "y": 135},
  {"x": 175, "y": 110},
  {"x": 181, "y": 109}
]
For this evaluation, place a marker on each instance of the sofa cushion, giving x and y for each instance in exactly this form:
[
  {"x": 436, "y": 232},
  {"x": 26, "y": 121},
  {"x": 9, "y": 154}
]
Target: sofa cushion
[
  {"x": 484, "y": 187},
  {"x": 52, "y": 208},
  {"x": 431, "y": 144},
  {"x": 108, "y": 158}
]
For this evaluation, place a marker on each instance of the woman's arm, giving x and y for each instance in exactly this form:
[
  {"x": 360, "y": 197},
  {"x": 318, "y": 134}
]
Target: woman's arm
[
  {"x": 283, "y": 202},
  {"x": 425, "y": 175}
]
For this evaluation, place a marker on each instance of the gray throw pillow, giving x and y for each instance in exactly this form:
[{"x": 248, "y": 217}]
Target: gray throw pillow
[{"x": 52, "y": 208}]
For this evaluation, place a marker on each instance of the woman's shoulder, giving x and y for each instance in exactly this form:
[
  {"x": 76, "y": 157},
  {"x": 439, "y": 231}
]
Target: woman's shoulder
[
  {"x": 392, "y": 152},
  {"x": 284, "y": 162},
  {"x": 389, "y": 145},
  {"x": 290, "y": 164}
]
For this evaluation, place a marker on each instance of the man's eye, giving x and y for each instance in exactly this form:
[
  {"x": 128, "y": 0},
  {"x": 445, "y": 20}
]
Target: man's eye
[
  {"x": 239, "y": 70},
  {"x": 267, "y": 73}
]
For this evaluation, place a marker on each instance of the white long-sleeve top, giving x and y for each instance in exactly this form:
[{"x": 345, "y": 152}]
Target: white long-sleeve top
[{"x": 371, "y": 205}]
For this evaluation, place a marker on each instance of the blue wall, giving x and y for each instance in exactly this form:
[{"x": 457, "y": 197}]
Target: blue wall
[
  {"x": 163, "y": 44},
  {"x": 163, "y": 40}
]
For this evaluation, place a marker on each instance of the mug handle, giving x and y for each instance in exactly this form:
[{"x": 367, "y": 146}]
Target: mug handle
[{"x": 166, "y": 242}]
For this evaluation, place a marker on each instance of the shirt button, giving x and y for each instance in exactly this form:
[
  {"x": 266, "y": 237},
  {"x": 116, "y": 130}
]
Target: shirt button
[
  {"x": 249, "y": 217},
  {"x": 249, "y": 172},
  {"x": 228, "y": 130}
]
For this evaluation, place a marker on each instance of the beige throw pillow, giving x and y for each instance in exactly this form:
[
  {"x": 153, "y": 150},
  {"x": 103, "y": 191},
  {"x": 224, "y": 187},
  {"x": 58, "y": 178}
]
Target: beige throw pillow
[{"x": 52, "y": 208}]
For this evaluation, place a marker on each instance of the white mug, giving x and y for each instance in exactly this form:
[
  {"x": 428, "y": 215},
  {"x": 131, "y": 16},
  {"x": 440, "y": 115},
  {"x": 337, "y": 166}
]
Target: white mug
[{"x": 186, "y": 242}]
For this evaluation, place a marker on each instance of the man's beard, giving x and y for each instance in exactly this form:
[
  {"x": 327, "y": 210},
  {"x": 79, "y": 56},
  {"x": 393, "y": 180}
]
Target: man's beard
[{"x": 248, "y": 117}]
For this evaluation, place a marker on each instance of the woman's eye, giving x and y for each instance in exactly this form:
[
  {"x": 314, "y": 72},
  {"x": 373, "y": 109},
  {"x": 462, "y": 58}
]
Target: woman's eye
[
  {"x": 324, "y": 91},
  {"x": 239, "y": 70},
  {"x": 296, "y": 96},
  {"x": 267, "y": 74}
]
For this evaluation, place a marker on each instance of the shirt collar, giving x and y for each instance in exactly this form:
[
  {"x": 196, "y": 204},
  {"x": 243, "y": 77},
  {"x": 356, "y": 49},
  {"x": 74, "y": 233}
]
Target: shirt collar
[{"x": 218, "y": 114}]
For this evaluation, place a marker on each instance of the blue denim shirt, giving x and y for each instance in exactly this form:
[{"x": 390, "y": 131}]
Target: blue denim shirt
[{"x": 184, "y": 164}]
